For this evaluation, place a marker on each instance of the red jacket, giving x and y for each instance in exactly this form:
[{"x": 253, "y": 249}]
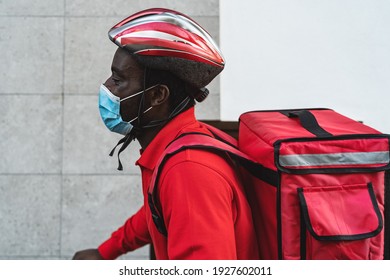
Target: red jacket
[{"x": 203, "y": 205}]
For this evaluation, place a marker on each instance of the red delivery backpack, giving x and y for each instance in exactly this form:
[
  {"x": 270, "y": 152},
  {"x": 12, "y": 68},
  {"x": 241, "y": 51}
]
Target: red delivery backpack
[{"x": 317, "y": 182}]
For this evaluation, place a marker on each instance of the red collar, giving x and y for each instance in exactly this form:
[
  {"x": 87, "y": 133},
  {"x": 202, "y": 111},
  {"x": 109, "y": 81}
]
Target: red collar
[{"x": 184, "y": 122}]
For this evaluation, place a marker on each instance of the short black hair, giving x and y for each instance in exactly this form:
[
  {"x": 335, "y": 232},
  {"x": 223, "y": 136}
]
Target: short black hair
[{"x": 178, "y": 88}]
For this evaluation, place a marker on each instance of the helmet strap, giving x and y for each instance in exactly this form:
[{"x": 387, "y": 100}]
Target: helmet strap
[
  {"x": 142, "y": 101},
  {"x": 125, "y": 141}
]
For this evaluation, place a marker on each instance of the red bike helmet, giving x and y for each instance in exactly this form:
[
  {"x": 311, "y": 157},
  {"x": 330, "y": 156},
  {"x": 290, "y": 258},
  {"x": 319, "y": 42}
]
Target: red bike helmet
[{"x": 167, "y": 40}]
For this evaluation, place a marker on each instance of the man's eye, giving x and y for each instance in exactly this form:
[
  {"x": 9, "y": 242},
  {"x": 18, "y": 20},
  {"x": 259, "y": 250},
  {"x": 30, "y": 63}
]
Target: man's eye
[{"x": 116, "y": 81}]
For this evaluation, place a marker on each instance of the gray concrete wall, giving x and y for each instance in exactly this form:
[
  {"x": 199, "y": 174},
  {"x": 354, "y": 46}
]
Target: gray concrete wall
[{"x": 59, "y": 190}]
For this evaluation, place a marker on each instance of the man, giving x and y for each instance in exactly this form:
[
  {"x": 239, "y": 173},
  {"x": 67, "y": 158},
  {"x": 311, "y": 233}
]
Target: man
[{"x": 161, "y": 67}]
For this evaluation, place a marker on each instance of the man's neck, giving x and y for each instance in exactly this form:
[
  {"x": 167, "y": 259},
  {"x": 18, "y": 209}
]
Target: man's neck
[{"x": 147, "y": 135}]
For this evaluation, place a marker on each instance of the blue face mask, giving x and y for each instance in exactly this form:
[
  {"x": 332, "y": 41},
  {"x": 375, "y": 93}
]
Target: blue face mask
[{"x": 109, "y": 107}]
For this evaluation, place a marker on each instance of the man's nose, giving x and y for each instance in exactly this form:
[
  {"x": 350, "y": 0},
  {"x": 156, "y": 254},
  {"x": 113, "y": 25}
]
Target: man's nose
[{"x": 108, "y": 84}]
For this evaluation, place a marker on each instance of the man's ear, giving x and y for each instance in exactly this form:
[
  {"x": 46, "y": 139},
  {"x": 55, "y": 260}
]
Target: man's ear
[{"x": 160, "y": 95}]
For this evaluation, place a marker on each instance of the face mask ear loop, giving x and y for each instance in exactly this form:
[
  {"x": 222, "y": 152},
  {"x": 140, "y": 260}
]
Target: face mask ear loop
[{"x": 179, "y": 108}]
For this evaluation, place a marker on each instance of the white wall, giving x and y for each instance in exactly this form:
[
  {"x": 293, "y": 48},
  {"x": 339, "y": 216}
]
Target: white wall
[{"x": 307, "y": 53}]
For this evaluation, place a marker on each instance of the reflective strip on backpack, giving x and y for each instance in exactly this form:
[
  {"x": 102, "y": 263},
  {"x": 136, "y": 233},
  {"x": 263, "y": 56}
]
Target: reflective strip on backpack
[{"x": 334, "y": 159}]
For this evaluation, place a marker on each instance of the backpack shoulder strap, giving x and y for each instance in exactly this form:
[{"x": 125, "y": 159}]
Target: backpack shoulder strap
[
  {"x": 220, "y": 135},
  {"x": 202, "y": 142}
]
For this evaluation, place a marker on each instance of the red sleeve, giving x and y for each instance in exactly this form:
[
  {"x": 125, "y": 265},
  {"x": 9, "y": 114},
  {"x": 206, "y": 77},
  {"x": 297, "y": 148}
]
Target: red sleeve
[
  {"x": 132, "y": 235},
  {"x": 197, "y": 208}
]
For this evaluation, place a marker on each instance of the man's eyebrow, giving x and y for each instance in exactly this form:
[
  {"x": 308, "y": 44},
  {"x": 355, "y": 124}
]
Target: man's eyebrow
[
  {"x": 114, "y": 69},
  {"x": 118, "y": 71},
  {"x": 125, "y": 70}
]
